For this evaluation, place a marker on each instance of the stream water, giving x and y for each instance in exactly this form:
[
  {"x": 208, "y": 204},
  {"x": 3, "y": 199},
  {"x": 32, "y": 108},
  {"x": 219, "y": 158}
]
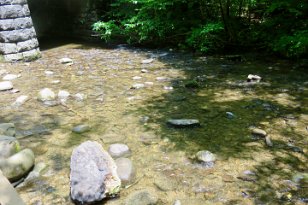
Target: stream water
[{"x": 193, "y": 87}]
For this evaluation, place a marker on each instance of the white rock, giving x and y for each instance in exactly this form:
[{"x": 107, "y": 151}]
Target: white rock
[
  {"x": 162, "y": 79},
  {"x": 119, "y": 150},
  {"x": 144, "y": 71},
  {"x": 137, "y": 86},
  {"x": 253, "y": 78},
  {"x": 148, "y": 84},
  {"x": 10, "y": 77},
  {"x": 80, "y": 96},
  {"x": 48, "y": 72},
  {"x": 15, "y": 91},
  {"x": 6, "y": 85},
  {"x": 46, "y": 94},
  {"x": 63, "y": 95},
  {"x": 205, "y": 156},
  {"x": 137, "y": 78},
  {"x": 125, "y": 170},
  {"x": 168, "y": 88},
  {"x": 147, "y": 61},
  {"x": 55, "y": 81},
  {"x": 67, "y": 61},
  {"x": 20, "y": 100}
]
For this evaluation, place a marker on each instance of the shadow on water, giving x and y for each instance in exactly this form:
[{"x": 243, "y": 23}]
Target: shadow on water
[{"x": 212, "y": 88}]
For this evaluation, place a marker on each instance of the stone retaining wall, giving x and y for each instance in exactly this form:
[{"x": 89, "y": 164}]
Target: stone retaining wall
[{"x": 17, "y": 35}]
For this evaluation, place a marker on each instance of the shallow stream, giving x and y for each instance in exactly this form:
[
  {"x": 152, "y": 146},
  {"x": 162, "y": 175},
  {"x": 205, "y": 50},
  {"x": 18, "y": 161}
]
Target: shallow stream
[{"x": 191, "y": 86}]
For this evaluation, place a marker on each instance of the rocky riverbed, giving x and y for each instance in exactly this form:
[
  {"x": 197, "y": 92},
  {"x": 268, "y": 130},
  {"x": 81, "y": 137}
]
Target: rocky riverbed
[{"x": 154, "y": 111}]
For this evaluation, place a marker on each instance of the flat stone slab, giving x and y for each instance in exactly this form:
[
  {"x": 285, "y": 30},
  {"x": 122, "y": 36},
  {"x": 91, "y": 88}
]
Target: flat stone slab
[
  {"x": 183, "y": 122},
  {"x": 6, "y": 85}
]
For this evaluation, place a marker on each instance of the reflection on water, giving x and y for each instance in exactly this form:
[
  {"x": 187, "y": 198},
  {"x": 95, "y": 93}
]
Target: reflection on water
[{"x": 203, "y": 88}]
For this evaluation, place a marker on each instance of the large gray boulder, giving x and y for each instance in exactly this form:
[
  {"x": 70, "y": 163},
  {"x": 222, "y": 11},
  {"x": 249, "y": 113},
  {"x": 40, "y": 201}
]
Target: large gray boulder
[
  {"x": 93, "y": 174},
  {"x": 18, "y": 165}
]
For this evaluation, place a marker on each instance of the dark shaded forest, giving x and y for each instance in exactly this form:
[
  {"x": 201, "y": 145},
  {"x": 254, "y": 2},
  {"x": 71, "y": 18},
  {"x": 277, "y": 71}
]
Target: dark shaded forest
[{"x": 207, "y": 26}]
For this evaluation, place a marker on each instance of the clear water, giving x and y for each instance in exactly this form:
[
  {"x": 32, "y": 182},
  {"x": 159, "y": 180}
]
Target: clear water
[{"x": 214, "y": 86}]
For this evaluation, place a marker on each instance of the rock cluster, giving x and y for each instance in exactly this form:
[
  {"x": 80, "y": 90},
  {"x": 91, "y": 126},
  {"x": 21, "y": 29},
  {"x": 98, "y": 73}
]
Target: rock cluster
[
  {"x": 14, "y": 163},
  {"x": 17, "y": 35}
]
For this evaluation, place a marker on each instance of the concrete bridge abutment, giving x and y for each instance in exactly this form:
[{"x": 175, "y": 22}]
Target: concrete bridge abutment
[{"x": 18, "y": 39}]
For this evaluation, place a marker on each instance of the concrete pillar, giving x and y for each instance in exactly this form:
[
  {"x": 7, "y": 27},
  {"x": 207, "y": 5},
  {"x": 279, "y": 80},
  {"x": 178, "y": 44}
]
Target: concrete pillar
[{"x": 17, "y": 35}]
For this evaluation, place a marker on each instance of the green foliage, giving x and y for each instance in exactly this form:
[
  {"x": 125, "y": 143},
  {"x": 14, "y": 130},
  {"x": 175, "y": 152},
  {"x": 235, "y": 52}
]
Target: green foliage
[
  {"x": 207, "y": 38},
  {"x": 209, "y": 26}
]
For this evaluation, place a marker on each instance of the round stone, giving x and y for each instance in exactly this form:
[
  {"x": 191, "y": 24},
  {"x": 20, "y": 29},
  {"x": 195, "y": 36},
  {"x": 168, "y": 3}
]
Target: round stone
[{"x": 119, "y": 150}]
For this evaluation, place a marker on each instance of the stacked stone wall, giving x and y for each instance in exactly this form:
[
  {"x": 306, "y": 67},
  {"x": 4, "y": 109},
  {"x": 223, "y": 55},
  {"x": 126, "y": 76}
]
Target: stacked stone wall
[{"x": 17, "y": 35}]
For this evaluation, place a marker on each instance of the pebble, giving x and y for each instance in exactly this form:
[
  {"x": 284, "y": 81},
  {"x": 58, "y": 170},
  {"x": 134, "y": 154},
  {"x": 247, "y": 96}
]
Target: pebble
[
  {"x": 206, "y": 158},
  {"x": 80, "y": 97},
  {"x": 162, "y": 79},
  {"x": 168, "y": 88},
  {"x": 66, "y": 61},
  {"x": 230, "y": 115},
  {"x": 253, "y": 78},
  {"x": 148, "y": 84},
  {"x": 125, "y": 170},
  {"x": 10, "y": 77},
  {"x": 37, "y": 171},
  {"x": 55, "y": 81},
  {"x": 183, "y": 122},
  {"x": 81, "y": 128},
  {"x": 268, "y": 141},
  {"x": 63, "y": 95},
  {"x": 20, "y": 100},
  {"x": 142, "y": 197},
  {"x": 137, "y": 78},
  {"x": 138, "y": 86},
  {"x": 49, "y": 73},
  {"x": 147, "y": 61},
  {"x": 46, "y": 94},
  {"x": 259, "y": 132},
  {"x": 144, "y": 71},
  {"x": 119, "y": 150},
  {"x": 248, "y": 175},
  {"x": 15, "y": 91},
  {"x": 6, "y": 85}
]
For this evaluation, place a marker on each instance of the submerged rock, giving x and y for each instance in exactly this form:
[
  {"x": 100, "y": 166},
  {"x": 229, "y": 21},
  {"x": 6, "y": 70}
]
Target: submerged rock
[
  {"x": 147, "y": 61},
  {"x": 46, "y": 94},
  {"x": 258, "y": 132},
  {"x": 81, "y": 128},
  {"x": 142, "y": 197},
  {"x": 10, "y": 77},
  {"x": 183, "y": 122},
  {"x": 8, "y": 146},
  {"x": 18, "y": 164},
  {"x": 138, "y": 86},
  {"x": 119, "y": 150},
  {"x": 63, "y": 95},
  {"x": 6, "y": 85},
  {"x": 93, "y": 174},
  {"x": 125, "y": 170},
  {"x": 20, "y": 100},
  {"x": 206, "y": 158},
  {"x": 7, "y": 129},
  {"x": 66, "y": 61}
]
